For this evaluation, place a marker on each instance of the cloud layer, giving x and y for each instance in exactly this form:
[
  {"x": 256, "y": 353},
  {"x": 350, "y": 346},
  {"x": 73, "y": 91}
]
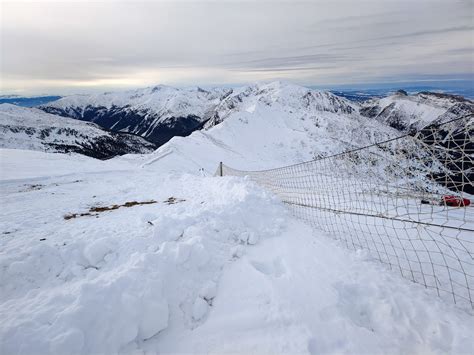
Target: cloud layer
[{"x": 82, "y": 45}]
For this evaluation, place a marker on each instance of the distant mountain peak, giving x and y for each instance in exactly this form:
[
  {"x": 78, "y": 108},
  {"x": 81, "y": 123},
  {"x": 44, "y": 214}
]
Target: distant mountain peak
[
  {"x": 406, "y": 112},
  {"x": 401, "y": 92},
  {"x": 161, "y": 112}
]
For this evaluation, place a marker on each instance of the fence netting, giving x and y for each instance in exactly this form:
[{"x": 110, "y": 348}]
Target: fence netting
[{"x": 404, "y": 200}]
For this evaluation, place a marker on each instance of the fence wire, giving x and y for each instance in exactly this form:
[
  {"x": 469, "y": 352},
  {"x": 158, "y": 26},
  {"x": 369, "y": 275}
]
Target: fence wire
[{"x": 404, "y": 200}]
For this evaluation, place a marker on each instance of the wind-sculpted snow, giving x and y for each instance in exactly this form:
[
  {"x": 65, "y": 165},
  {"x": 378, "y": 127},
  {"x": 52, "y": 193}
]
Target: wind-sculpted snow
[
  {"x": 98, "y": 285},
  {"x": 216, "y": 265},
  {"x": 28, "y": 128}
]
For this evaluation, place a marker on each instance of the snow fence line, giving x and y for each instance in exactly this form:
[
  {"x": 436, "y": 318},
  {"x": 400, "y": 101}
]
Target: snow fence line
[{"x": 390, "y": 198}]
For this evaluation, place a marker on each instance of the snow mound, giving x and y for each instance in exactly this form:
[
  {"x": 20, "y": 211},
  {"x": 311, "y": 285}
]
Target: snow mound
[
  {"x": 220, "y": 267},
  {"x": 111, "y": 297}
]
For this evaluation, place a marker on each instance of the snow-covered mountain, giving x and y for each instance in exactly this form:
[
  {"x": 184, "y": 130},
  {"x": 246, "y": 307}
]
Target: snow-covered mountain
[
  {"x": 405, "y": 112},
  {"x": 274, "y": 124},
  {"x": 423, "y": 113},
  {"x": 280, "y": 124},
  {"x": 261, "y": 125},
  {"x": 160, "y": 113},
  {"x": 178, "y": 257},
  {"x": 156, "y": 113},
  {"x": 33, "y": 129}
]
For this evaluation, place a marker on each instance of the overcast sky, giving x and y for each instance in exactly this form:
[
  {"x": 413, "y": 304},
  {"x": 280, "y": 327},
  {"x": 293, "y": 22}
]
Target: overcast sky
[{"x": 79, "y": 46}]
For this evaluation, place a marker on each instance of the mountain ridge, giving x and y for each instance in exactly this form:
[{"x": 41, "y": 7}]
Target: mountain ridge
[
  {"x": 33, "y": 129},
  {"x": 162, "y": 112}
]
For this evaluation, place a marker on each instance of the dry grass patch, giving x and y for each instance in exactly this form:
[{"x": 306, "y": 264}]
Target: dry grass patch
[{"x": 94, "y": 211}]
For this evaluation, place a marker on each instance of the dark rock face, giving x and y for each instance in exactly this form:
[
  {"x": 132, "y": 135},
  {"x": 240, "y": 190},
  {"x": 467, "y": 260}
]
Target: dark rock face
[
  {"x": 160, "y": 123},
  {"x": 393, "y": 117},
  {"x": 451, "y": 97},
  {"x": 175, "y": 126},
  {"x": 402, "y": 92},
  {"x": 453, "y": 145},
  {"x": 71, "y": 140},
  {"x": 370, "y": 111},
  {"x": 126, "y": 119},
  {"x": 104, "y": 147}
]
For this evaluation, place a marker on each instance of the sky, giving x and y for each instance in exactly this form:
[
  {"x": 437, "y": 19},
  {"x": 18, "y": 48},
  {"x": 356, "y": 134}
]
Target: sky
[{"x": 61, "y": 47}]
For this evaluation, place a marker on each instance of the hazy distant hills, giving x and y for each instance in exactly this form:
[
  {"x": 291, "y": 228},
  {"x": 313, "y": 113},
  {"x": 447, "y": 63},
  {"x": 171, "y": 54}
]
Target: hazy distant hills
[{"x": 27, "y": 101}]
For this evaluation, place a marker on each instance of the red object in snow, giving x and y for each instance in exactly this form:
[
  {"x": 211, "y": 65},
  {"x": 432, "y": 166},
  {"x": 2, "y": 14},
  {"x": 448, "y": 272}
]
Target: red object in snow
[{"x": 455, "y": 201}]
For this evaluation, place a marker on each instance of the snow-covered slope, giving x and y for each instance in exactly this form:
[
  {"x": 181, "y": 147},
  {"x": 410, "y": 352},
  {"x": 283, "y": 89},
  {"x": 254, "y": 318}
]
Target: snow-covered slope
[
  {"x": 404, "y": 112},
  {"x": 206, "y": 265},
  {"x": 222, "y": 269},
  {"x": 156, "y": 113},
  {"x": 280, "y": 95},
  {"x": 162, "y": 112},
  {"x": 29, "y": 128},
  {"x": 273, "y": 125},
  {"x": 280, "y": 124}
]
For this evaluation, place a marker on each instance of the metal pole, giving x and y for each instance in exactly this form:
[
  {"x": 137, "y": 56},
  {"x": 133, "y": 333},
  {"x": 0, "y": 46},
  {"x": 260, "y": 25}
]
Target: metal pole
[{"x": 220, "y": 169}]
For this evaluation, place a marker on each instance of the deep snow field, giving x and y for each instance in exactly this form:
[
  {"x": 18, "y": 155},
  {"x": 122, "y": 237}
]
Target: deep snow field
[{"x": 220, "y": 268}]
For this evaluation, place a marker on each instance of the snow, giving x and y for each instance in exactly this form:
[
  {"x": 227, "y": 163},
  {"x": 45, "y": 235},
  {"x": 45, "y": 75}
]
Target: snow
[
  {"x": 164, "y": 100},
  {"x": 292, "y": 132},
  {"x": 212, "y": 264},
  {"x": 17, "y": 115},
  {"x": 200, "y": 309},
  {"x": 419, "y": 112},
  {"x": 225, "y": 268},
  {"x": 33, "y": 129},
  {"x": 414, "y": 111},
  {"x": 41, "y": 165},
  {"x": 162, "y": 107}
]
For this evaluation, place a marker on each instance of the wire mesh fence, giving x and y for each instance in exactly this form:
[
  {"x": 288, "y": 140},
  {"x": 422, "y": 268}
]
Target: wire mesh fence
[{"x": 405, "y": 200}]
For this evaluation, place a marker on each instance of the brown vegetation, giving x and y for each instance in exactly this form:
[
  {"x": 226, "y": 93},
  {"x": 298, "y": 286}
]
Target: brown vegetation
[{"x": 94, "y": 211}]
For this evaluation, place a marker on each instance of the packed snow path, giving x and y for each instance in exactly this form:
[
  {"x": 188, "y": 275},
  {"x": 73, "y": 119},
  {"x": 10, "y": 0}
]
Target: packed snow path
[{"x": 223, "y": 268}]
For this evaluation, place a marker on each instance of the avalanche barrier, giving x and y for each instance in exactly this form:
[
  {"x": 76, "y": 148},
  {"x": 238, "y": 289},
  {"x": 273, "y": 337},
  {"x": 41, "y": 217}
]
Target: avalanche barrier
[{"x": 394, "y": 199}]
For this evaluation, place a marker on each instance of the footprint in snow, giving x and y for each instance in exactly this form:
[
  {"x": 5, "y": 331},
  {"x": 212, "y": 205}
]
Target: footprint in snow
[{"x": 274, "y": 268}]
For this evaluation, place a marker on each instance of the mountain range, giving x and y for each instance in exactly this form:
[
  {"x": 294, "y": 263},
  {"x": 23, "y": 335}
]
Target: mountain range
[
  {"x": 33, "y": 129},
  {"x": 274, "y": 123}
]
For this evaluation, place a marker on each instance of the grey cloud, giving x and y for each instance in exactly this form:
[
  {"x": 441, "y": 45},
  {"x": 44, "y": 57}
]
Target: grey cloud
[
  {"x": 310, "y": 42},
  {"x": 285, "y": 69},
  {"x": 278, "y": 62},
  {"x": 427, "y": 32}
]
